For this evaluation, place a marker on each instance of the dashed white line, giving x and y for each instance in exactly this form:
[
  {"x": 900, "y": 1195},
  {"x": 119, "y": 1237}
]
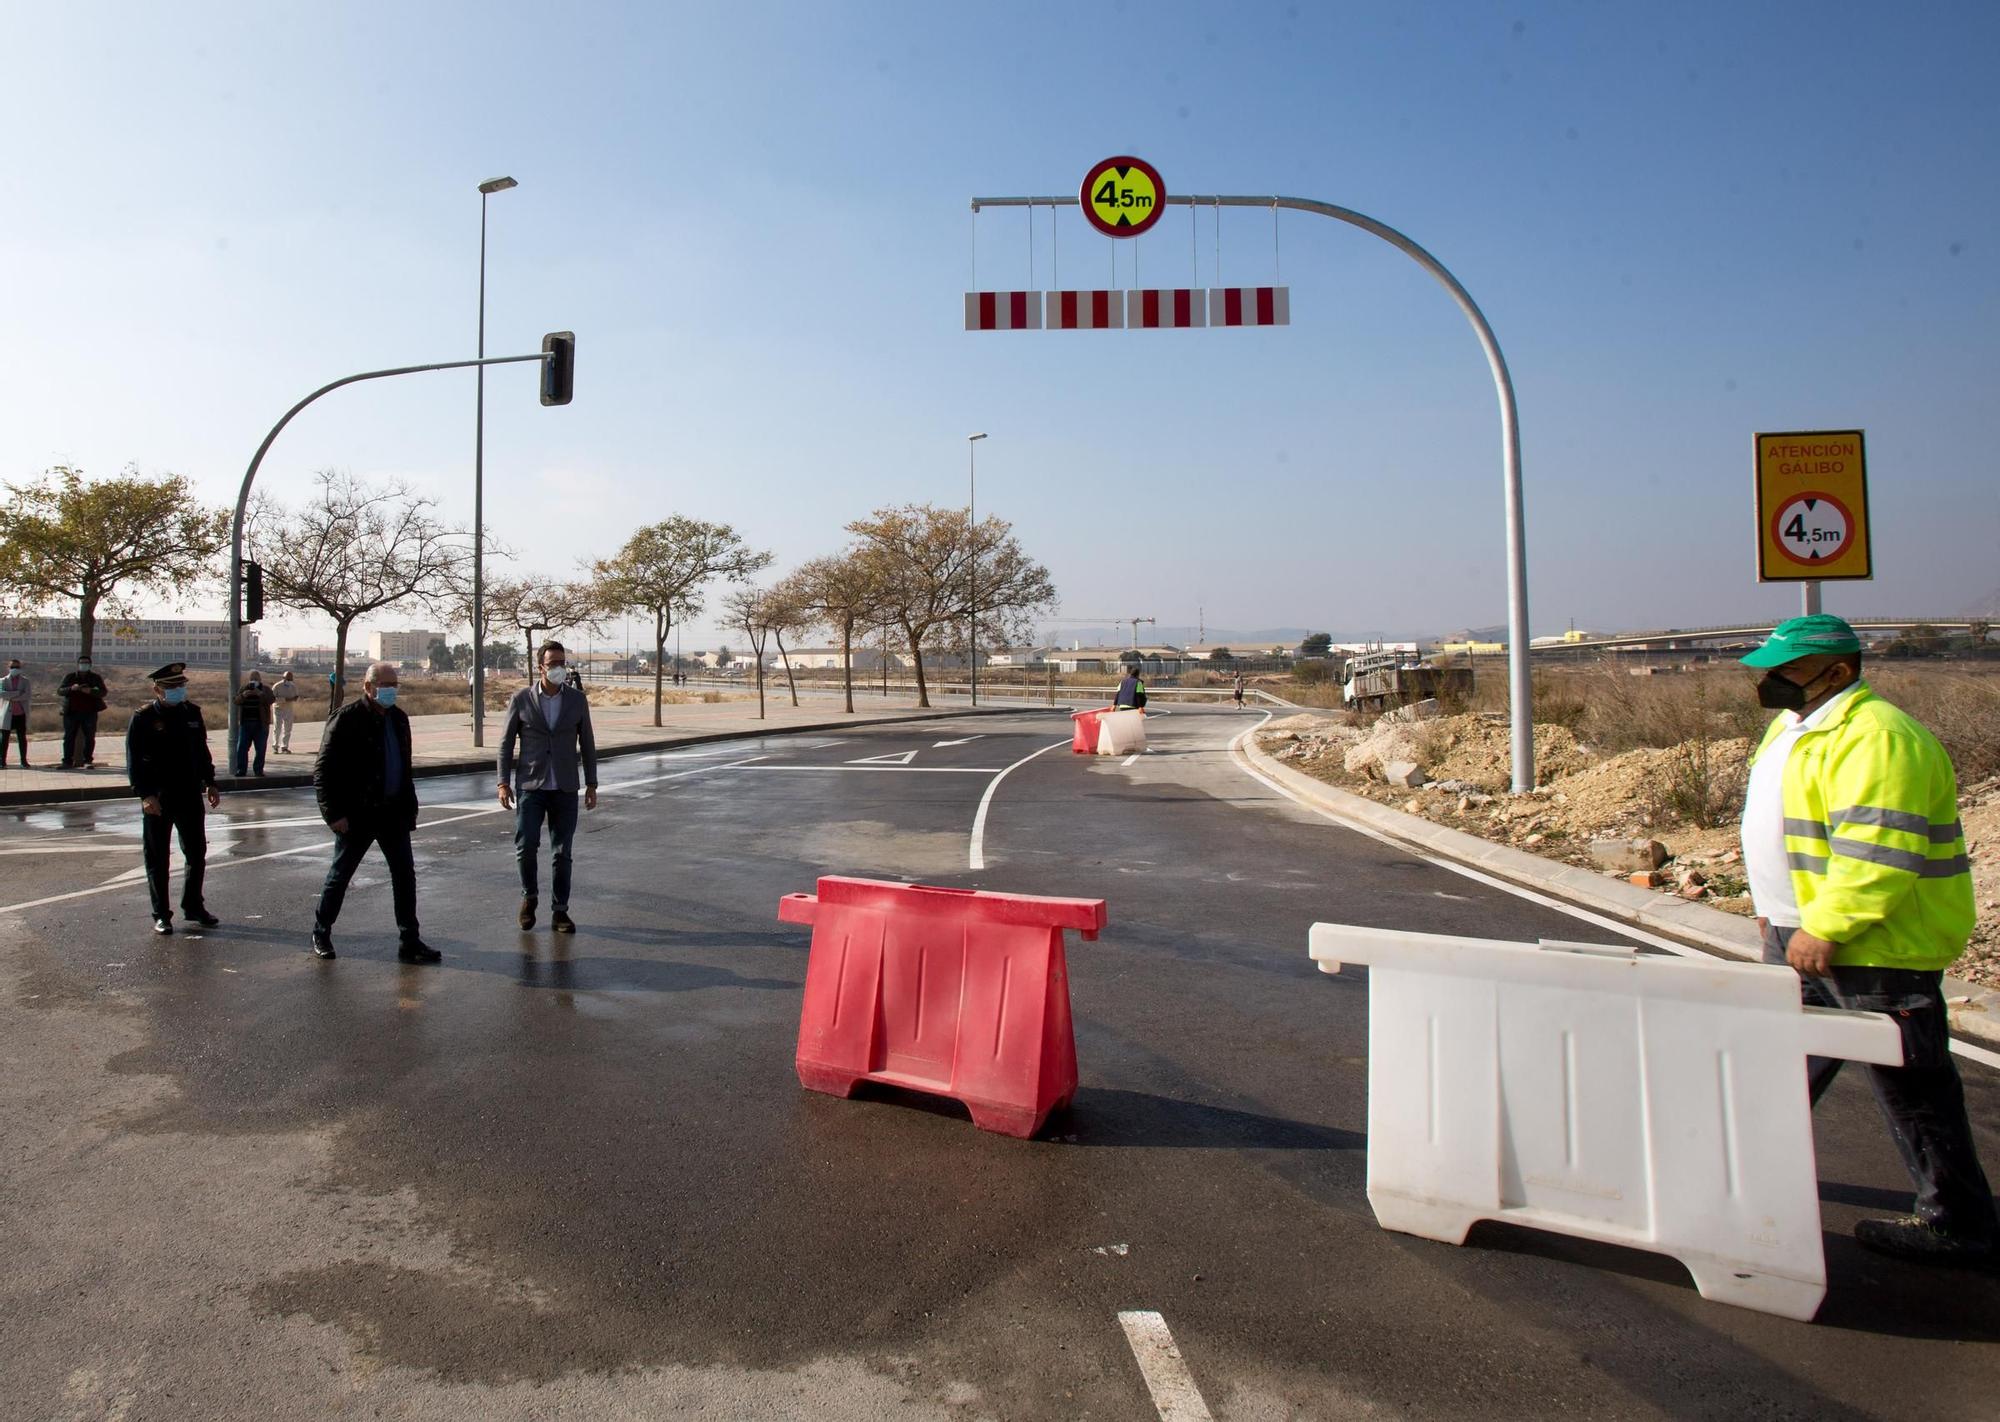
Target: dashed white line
[
  {"x": 1129, "y": 759},
  {"x": 1175, "y": 1396},
  {"x": 977, "y": 858}
]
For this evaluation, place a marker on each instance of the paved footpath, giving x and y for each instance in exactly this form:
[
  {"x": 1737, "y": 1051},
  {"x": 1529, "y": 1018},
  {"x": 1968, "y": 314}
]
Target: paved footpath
[{"x": 443, "y": 743}]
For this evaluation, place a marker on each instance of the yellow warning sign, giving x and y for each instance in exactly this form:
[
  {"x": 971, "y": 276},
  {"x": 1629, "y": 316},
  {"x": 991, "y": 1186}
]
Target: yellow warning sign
[
  {"x": 1123, "y": 196},
  {"x": 1812, "y": 507}
]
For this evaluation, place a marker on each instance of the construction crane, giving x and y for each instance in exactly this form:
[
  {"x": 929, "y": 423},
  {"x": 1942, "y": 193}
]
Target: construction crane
[{"x": 1132, "y": 622}]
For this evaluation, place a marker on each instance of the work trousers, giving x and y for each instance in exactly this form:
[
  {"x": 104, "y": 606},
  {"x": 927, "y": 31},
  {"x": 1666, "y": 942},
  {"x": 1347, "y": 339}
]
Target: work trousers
[
  {"x": 181, "y": 812},
  {"x": 19, "y": 732},
  {"x": 558, "y": 808},
  {"x": 79, "y": 738},
  {"x": 1923, "y": 1100},
  {"x": 348, "y": 850},
  {"x": 285, "y": 717},
  {"x": 251, "y": 735}
]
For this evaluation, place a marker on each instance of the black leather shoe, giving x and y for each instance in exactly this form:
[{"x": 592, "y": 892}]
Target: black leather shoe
[
  {"x": 201, "y": 916},
  {"x": 561, "y": 922},
  {"x": 527, "y": 913},
  {"x": 323, "y": 945},
  {"x": 415, "y": 950},
  {"x": 1913, "y": 1238},
  {"x": 164, "y": 927}
]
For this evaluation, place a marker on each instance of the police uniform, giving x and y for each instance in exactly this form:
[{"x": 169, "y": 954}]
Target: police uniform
[{"x": 167, "y": 758}]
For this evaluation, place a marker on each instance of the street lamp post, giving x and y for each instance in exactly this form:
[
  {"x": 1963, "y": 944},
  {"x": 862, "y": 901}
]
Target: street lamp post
[
  {"x": 486, "y": 190},
  {"x": 972, "y": 575}
]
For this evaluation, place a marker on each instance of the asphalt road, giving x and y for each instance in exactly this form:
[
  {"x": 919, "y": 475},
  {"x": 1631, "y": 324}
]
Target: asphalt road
[{"x": 579, "y": 1178}]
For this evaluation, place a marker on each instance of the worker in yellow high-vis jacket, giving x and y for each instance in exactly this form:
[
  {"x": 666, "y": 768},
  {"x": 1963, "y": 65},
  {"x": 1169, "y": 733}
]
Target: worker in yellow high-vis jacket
[{"x": 1858, "y": 869}]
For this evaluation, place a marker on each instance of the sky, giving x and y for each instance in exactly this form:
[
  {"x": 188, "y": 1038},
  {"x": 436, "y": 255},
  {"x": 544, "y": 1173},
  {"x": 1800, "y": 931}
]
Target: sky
[{"x": 1684, "y": 223}]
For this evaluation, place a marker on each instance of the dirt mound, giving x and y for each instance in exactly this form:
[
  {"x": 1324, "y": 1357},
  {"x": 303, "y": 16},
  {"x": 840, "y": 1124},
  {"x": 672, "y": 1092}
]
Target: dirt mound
[{"x": 1471, "y": 751}]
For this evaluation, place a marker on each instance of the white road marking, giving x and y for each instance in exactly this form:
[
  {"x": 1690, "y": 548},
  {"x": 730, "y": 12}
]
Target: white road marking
[
  {"x": 1983, "y": 1055},
  {"x": 892, "y": 758},
  {"x": 1130, "y": 758},
  {"x": 977, "y": 858},
  {"x": 1175, "y": 1396},
  {"x": 968, "y": 740},
  {"x": 904, "y": 769}
]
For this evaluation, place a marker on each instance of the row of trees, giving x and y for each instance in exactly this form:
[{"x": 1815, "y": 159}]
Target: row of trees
[{"x": 356, "y": 550}]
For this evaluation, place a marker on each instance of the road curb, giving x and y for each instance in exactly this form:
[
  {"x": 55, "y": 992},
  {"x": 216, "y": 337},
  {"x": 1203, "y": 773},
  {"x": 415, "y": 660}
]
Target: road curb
[
  {"x": 1975, "y": 1010},
  {"x": 120, "y": 790}
]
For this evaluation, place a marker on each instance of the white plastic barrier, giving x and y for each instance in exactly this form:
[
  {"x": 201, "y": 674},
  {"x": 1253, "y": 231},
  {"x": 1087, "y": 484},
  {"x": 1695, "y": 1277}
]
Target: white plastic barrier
[
  {"x": 1121, "y": 732},
  {"x": 1642, "y": 1100}
]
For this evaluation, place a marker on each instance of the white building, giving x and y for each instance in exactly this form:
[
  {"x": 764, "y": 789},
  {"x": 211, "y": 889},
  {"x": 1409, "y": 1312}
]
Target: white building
[
  {"x": 828, "y": 659},
  {"x": 413, "y": 645},
  {"x": 124, "y": 641}
]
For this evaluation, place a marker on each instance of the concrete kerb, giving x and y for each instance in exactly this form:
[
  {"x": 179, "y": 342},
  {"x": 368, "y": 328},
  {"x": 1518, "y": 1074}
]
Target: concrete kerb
[
  {"x": 237, "y": 785},
  {"x": 1975, "y": 1010}
]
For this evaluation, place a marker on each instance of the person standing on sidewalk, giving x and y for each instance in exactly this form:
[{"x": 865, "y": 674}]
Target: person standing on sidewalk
[
  {"x": 167, "y": 761},
  {"x": 550, "y": 720},
  {"x": 1858, "y": 869},
  {"x": 284, "y": 705},
  {"x": 83, "y": 697},
  {"x": 367, "y": 795},
  {"x": 14, "y": 692},
  {"x": 253, "y": 724}
]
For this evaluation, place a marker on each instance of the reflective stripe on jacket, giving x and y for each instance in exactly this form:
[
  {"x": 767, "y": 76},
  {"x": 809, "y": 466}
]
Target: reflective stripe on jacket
[{"x": 1873, "y": 838}]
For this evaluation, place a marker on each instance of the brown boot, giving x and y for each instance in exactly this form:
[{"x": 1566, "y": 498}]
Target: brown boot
[{"x": 527, "y": 913}]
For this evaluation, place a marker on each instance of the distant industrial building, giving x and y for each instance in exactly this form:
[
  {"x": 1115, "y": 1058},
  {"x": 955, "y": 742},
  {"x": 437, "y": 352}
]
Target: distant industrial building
[
  {"x": 413, "y": 645},
  {"x": 124, "y": 641}
]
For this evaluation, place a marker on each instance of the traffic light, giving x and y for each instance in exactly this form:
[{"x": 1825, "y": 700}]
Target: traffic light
[
  {"x": 253, "y": 592},
  {"x": 559, "y": 369}
]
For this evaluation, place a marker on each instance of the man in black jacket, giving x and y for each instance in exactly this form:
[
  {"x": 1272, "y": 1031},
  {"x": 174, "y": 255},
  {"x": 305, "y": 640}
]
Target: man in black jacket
[
  {"x": 82, "y": 694},
  {"x": 167, "y": 761},
  {"x": 368, "y": 796}
]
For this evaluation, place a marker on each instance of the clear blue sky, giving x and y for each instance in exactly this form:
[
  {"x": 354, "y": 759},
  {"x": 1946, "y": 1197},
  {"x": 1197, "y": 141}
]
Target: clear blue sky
[{"x": 1686, "y": 223}]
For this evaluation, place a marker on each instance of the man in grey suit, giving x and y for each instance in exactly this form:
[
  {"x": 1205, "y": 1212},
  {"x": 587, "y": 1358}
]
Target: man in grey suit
[{"x": 550, "y": 722}]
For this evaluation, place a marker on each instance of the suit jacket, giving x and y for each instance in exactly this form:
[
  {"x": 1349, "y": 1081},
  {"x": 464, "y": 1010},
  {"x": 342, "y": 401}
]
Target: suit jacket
[
  {"x": 543, "y": 746},
  {"x": 348, "y": 774}
]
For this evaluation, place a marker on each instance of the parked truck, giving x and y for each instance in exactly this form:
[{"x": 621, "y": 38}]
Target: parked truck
[{"x": 1376, "y": 681}]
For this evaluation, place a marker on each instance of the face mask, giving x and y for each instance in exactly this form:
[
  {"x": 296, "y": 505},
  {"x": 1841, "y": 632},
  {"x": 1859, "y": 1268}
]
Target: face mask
[
  {"x": 554, "y": 673},
  {"x": 83, "y": 666},
  {"x": 1777, "y": 693},
  {"x": 385, "y": 696},
  {"x": 176, "y": 695}
]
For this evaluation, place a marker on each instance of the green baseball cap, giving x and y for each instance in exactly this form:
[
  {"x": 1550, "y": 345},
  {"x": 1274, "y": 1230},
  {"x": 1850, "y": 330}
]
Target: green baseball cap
[{"x": 1797, "y": 637}]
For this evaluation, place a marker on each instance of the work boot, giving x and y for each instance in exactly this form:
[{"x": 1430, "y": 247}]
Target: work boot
[
  {"x": 561, "y": 922},
  {"x": 1914, "y": 1238},
  {"x": 163, "y": 925},
  {"x": 415, "y": 950},
  {"x": 201, "y": 916},
  {"x": 323, "y": 944},
  {"x": 527, "y": 913}
]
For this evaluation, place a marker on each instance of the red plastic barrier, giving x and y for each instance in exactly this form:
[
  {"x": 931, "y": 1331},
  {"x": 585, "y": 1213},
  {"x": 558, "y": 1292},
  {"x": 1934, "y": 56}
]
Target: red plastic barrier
[
  {"x": 955, "y": 992},
  {"x": 1085, "y": 740}
]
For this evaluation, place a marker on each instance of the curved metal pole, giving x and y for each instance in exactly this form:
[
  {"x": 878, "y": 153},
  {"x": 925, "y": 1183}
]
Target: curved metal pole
[
  {"x": 1520, "y": 690},
  {"x": 243, "y": 502}
]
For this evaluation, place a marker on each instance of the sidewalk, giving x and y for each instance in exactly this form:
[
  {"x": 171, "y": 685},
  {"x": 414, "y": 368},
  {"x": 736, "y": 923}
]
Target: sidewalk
[{"x": 442, "y": 745}]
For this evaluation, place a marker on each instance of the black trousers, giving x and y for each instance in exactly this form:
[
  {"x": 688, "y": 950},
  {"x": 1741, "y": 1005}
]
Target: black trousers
[
  {"x": 79, "y": 737},
  {"x": 182, "y": 813},
  {"x": 1923, "y": 1100},
  {"x": 348, "y": 851},
  {"x": 19, "y": 732}
]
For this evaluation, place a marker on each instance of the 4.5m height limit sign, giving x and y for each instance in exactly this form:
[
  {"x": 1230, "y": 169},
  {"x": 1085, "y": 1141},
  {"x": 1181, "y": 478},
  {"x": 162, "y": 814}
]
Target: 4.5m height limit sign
[{"x": 1812, "y": 507}]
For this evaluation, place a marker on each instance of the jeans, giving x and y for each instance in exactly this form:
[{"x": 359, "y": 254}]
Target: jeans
[
  {"x": 248, "y": 735},
  {"x": 559, "y": 808},
  {"x": 348, "y": 850},
  {"x": 1923, "y": 1100},
  {"x": 182, "y": 813},
  {"x": 79, "y": 737}
]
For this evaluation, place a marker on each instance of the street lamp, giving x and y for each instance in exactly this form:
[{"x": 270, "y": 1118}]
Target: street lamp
[
  {"x": 486, "y": 190},
  {"x": 972, "y": 521}
]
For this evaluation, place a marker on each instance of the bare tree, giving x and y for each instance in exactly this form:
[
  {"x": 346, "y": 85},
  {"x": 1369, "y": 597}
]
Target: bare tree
[
  {"x": 749, "y": 609},
  {"x": 786, "y": 613},
  {"x": 63, "y": 539},
  {"x": 921, "y": 558},
  {"x": 356, "y": 549},
  {"x": 840, "y": 593},
  {"x": 535, "y": 603},
  {"x": 662, "y": 570}
]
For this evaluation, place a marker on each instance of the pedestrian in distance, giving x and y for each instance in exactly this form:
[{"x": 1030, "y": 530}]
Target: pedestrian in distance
[
  {"x": 15, "y": 690},
  {"x": 253, "y": 724},
  {"x": 1239, "y": 691},
  {"x": 172, "y": 773},
  {"x": 1858, "y": 870},
  {"x": 1131, "y": 691},
  {"x": 367, "y": 796},
  {"x": 284, "y": 708},
  {"x": 83, "y": 697},
  {"x": 549, "y": 720}
]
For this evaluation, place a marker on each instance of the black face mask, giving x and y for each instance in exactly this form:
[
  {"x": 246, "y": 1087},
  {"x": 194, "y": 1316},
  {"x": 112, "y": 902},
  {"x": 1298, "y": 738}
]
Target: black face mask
[{"x": 1777, "y": 693}]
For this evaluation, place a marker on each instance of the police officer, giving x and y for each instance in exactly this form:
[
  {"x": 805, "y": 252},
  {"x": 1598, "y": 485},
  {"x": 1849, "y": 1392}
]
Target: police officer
[
  {"x": 167, "y": 761},
  {"x": 1857, "y": 864}
]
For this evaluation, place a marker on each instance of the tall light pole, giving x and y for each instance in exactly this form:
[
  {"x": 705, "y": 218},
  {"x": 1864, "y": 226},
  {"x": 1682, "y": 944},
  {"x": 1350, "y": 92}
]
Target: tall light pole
[
  {"x": 972, "y": 521},
  {"x": 486, "y": 190}
]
